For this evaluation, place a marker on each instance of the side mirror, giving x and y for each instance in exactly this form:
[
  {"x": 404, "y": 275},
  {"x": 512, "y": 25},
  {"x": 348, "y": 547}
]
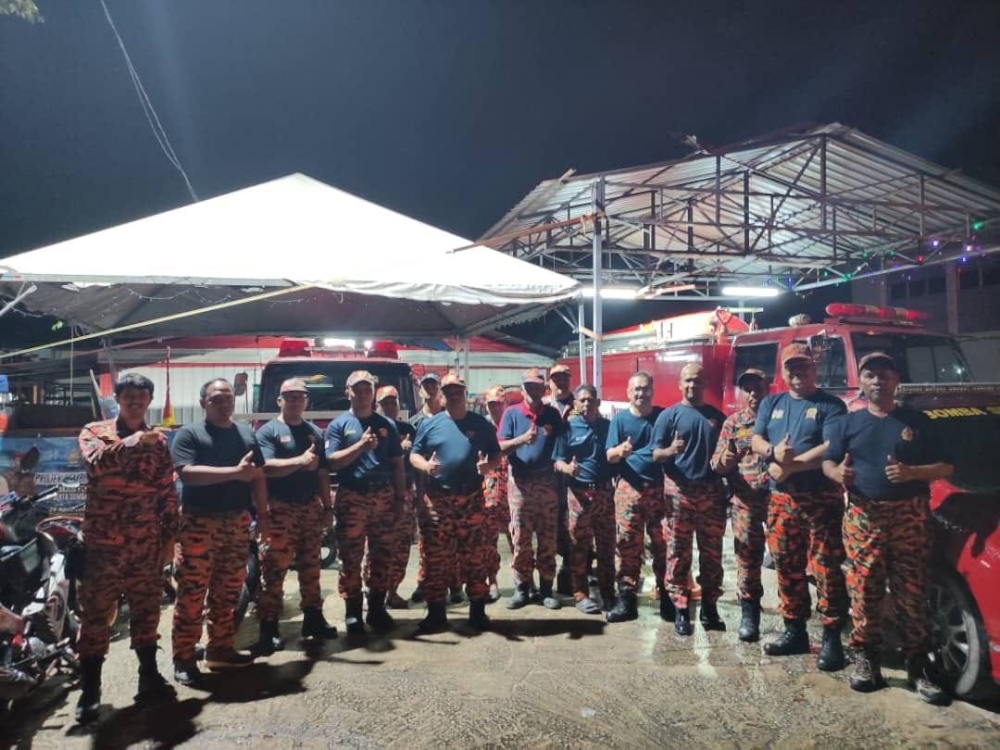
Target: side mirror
[
  {"x": 240, "y": 384},
  {"x": 819, "y": 344},
  {"x": 28, "y": 461}
]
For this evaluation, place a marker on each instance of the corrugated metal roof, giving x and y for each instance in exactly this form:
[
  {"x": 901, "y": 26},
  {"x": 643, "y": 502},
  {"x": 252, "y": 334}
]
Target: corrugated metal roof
[{"x": 819, "y": 206}]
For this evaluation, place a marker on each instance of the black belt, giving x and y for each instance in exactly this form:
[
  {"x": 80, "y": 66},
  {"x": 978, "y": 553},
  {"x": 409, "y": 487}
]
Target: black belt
[
  {"x": 643, "y": 484},
  {"x": 528, "y": 472},
  {"x": 455, "y": 489},
  {"x": 589, "y": 486},
  {"x": 366, "y": 486}
]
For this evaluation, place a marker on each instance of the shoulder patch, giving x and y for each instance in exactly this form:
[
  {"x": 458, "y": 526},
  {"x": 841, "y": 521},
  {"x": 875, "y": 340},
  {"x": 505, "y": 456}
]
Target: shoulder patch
[
  {"x": 907, "y": 434},
  {"x": 778, "y": 414},
  {"x": 811, "y": 412}
]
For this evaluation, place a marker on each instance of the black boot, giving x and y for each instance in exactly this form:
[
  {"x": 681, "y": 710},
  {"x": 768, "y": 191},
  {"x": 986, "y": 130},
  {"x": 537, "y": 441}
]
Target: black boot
[
  {"x": 682, "y": 621},
  {"x": 667, "y": 610},
  {"x": 379, "y": 620},
  {"x": 89, "y": 705},
  {"x": 314, "y": 625},
  {"x": 269, "y": 640},
  {"x": 709, "y": 617},
  {"x": 436, "y": 620},
  {"x": 831, "y": 655},
  {"x": 549, "y": 599},
  {"x": 152, "y": 686},
  {"x": 477, "y": 614},
  {"x": 521, "y": 597},
  {"x": 564, "y": 582},
  {"x": 750, "y": 621},
  {"x": 626, "y": 607},
  {"x": 795, "y": 640},
  {"x": 866, "y": 677}
]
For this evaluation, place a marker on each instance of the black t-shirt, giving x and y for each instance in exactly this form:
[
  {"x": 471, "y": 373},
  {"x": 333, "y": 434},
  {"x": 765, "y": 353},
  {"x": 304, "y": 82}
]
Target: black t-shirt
[
  {"x": 699, "y": 427},
  {"x": 371, "y": 466},
  {"x": 280, "y": 440},
  {"x": 203, "y": 444},
  {"x": 457, "y": 443},
  {"x": 904, "y": 434}
]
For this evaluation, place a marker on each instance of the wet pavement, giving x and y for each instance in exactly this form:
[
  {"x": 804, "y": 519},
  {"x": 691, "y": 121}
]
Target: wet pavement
[{"x": 538, "y": 679}]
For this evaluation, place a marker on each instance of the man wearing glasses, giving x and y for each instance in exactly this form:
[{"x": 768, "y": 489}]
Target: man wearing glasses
[{"x": 215, "y": 460}]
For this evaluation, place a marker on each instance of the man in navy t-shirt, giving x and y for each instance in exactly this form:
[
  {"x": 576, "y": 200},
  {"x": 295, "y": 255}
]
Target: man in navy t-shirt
[
  {"x": 363, "y": 447},
  {"x": 886, "y": 455},
  {"x": 455, "y": 450},
  {"x": 805, "y": 509},
  {"x": 580, "y": 456},
  {"x": 561, "y": 398},
  {"x": 685, "y": 437},
  {"x": 638, "y": 498},
  {"x": 527, "y": 434}
]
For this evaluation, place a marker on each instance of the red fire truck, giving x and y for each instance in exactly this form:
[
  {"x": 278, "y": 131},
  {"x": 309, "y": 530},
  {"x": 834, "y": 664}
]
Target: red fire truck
[{"x": 965, "y": 592}]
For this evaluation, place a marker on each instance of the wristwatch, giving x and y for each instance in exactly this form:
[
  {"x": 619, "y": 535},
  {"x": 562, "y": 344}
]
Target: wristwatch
[{"x": 769, "y": 456}]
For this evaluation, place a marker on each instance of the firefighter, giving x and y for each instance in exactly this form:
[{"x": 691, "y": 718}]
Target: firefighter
[
  {"x": 684, "y": 439},
  {"x": 805, "y": 509},
  {"x": 561, "y": 398},
  {"x": 299, "y": 510},
  {"x": 746, "y": 478},
  {"x": 495, "y": 490},
  {"x": 885, "y": 455},
  {"x": 387, "y": 399},
  {"x": 129, "y": 522},
  {"x": 581, "y": 457},
  {"x": 215, "y": 461},
  {"x": 455, "y": 451},
  {"x": 363, "y": 447},
  {"x": 638, "y": 498},
  {"x": 528, "y": 433}
]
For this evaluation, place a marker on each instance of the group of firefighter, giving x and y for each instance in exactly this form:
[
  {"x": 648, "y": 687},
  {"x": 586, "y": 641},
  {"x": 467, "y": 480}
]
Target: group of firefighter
[{"x": 795, "y": 471}]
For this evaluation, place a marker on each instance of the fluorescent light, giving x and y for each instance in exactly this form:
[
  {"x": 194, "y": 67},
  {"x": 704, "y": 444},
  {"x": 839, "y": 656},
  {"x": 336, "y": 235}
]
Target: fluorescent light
[
  {"x": 347, "y": 343},
  {"x": 751, "y": 291},
  {"x": 611, "y": 292},
  {"x": 656, "y": 291}
]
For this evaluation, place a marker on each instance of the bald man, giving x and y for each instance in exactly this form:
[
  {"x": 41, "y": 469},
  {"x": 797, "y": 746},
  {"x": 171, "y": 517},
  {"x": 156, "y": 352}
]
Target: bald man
[{"x": 684, "y": 438}]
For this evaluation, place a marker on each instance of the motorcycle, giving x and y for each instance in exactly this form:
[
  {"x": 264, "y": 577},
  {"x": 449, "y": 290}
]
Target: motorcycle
[{"x": 37, "y": 623}]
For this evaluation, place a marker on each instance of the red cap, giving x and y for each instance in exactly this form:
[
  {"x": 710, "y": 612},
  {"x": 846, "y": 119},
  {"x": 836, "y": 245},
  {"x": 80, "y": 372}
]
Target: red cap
[
  {"x": 361, "y": 376},
  {"x": 877, "y": 359},
  {"x": 534, "y": 375},
  {"x": 749, "y": 374},
  {"x": 452, "y": 378},
  {"x": 797, "y": 350},
  {"x": 387, "y": 391}
]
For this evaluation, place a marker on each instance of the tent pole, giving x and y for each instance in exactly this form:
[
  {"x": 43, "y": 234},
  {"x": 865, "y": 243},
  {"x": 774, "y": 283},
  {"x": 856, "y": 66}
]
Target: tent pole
[
  {"x": 597, "y": 207},
  {"x": 582, "y": 340}
]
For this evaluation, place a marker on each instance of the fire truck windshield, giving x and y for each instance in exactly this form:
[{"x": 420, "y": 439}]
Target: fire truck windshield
[
  {"x": 921, "y": 358},
  {"x": 326, "y": 381}
]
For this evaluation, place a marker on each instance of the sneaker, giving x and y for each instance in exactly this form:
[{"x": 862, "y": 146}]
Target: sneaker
[
  {"x": 588, "y": 606},
  {"x": 186, "y": 671},
  {"x": 521, "y": 597},
  {"x": 227, "y": 658},
  {"x": 920, "y": 678},
  {"x": 866, "y": 677},
  {"x": 549, "y": 599}
]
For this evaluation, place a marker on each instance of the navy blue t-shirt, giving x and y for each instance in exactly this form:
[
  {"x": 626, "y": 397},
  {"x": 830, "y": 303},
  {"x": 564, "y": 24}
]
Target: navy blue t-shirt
[
  {"x": 586, "y": 442},
  {"x": 639, "y": 467},
  {"x": 809, "y": 421},
  {"x": 370, "y": 466},
  {"x": 457, "y": 443},
  {"x": 516, "y": 421},
  {"x": 204, "y": 444},
  {"x": 699, "y": 427},
  {"x": 904, "y": 434},
  {"x": 280, "y": 440}
]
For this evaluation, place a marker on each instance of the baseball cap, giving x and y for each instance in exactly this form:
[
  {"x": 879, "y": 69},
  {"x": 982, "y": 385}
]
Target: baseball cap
[
  {"x": 534, "y": 375},
  {"x": 387, "y": 391},
  {"x": 750, "y": 373},
  {"x": 796, "y": 351},
  {"x": 496, "y": 393},
  {"x": 559, "y": 370},
  {"x": 877, "y": 359},
  {"x": 430, "y": 376},
  {"x": 452, "y": 378},
  {"x": 294, "y": 385},
  {"x": 361, "y": 376}
]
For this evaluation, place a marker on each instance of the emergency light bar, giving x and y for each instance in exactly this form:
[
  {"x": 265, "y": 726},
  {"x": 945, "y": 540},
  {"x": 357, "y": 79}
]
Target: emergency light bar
[{"x": 876, "y": 313}]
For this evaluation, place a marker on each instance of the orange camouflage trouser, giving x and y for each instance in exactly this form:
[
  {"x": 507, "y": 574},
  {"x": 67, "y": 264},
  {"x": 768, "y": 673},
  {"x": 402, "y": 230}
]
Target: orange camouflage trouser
[
  {"x": 400, "y": 546},
  {"x": 295, "y": 533},
  {"x": 748, "y": 516},
  {"x": 890, "y": 542},
  {"x": 639, "y": 511},
  {"x": 452, "y": 525},
  {"x": 699, "y": 509},
  {"x": 362, "y": 517},
  {"x": 591, "y": 523},
  {"x": 211, "y": 556},
  {"x": 497, "y": 518},
  {"x": 134, "y": 568},
  {"x": 805, "y": 527},
  {"x": 533, "y": 512}
]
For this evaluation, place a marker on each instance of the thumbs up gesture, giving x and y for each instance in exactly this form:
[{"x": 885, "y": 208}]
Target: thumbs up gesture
[
  {"x": 369, "y": 440},
  {"x": 676, "y": 446},
  {"x": 844, "y": 473},
  {"x": 784, "y": 453},
  {"x": 727, "y": 461},
  {"x": 573, "y": 468},
  {"x": 482, "y": 464},
  {"x": 309, "y": 459},
  {"x": 531, "y": 435},
  {"x": 626, "y": 447},
  {"x": 433, "y": 465},
  {"x": 896, "y": 472}
]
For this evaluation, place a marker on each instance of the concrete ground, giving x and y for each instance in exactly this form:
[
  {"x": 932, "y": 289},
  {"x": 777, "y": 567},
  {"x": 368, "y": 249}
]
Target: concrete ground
[{"x": 539, "y": 679}]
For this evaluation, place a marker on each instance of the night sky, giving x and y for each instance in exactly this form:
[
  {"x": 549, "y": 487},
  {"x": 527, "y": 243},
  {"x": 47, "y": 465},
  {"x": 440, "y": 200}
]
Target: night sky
[{"x": 452, "y": 111}]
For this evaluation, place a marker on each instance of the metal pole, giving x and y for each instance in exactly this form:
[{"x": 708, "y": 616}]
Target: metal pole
[
  {"x": 597, "y": 207},
  {"x": 581, "y": 312}
]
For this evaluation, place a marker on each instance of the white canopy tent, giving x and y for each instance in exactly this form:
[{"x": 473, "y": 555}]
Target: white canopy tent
[{"x": 289, "y": 255}]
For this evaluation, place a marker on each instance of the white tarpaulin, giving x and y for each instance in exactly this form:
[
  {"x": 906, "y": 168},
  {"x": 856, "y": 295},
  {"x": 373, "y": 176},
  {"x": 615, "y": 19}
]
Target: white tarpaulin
[{"x": 375, "y": 270}]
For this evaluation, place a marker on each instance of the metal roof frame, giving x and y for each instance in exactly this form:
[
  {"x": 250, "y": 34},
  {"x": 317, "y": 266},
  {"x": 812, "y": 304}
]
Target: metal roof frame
[{"x": 798, "y": 210}]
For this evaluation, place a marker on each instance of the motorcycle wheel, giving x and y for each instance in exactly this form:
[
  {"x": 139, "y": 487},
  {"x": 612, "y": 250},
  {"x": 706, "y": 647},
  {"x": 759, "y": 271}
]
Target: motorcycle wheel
[
  {"x": 249, "y": 591},
  {"x": 328, "y": 550}
]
